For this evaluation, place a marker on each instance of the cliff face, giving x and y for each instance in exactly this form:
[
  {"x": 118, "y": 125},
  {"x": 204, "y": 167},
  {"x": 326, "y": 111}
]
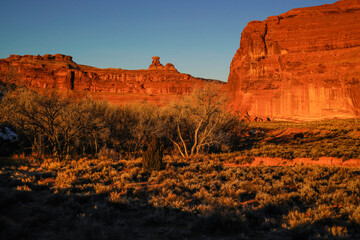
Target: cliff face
[
  {"x": 303, "y": 64},
  {"x": 117, "y": 85}
]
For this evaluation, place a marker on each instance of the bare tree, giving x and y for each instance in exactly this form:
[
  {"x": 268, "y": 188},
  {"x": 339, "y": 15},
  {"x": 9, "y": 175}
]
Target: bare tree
[
  {"x": 7, "y": 78},
  {"x": 51, "y": 122},
  {"x": 199, "y": 120},
  {"x": 131, "y": 127}
]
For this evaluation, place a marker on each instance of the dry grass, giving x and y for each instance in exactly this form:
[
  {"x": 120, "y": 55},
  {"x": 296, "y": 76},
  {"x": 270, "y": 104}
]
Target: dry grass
[{"x": 190, "y": 198}]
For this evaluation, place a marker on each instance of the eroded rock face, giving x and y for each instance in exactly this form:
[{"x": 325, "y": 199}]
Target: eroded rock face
[
  {"x": 156, "y": 65},
  {"x": 116, "y": 85},
  {"x": 303, "y": 64}
]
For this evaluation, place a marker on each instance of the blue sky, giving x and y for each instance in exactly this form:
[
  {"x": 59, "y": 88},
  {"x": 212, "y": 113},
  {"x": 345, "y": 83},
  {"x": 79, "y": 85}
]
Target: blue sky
[{"x": 199, "y": 37}]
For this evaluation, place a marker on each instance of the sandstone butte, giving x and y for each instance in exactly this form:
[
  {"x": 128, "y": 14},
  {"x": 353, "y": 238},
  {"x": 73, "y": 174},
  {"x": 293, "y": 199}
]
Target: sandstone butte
[
  {"x": 158, "y": 84},
  {"x": 303, "y": 64}
]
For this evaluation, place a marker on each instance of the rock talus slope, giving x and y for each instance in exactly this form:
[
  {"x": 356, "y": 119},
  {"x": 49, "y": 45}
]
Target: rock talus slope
[
  {"x": 303, "y": 64},
  {"x": 60, "y": 72}
]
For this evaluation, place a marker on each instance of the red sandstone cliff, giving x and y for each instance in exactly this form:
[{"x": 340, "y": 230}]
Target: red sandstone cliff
[
  {"x": 303, "y": 64},
  {"x": 116, "y": 85}
]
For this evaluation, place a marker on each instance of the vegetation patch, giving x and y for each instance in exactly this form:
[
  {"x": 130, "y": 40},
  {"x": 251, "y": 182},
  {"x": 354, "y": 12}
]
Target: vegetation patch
[
  {"x": 197, "y": 197},
  {"x": 327, "y": 138}
]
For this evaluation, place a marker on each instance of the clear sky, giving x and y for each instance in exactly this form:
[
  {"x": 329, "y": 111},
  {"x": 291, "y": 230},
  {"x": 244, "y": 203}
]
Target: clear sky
[{"x": 199, "y": 37}]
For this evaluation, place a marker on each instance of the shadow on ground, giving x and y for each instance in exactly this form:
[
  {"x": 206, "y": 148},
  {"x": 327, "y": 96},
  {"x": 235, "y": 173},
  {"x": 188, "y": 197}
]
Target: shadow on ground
[{"x": 42, "y": 214}]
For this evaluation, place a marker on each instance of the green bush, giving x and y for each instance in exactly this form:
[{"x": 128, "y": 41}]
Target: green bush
[{"x": 152, "y": 158}]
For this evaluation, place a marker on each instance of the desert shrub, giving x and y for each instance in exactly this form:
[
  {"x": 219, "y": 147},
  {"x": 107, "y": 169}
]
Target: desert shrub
[
  {"x": 355, "y": 215},
  {"x": 108, "y": 153},
  {"x": 117, "y": 197},
  {"x": 295, "y": 218},
  {"x": 152, "y": 158},
  {"x": 65, "y": 180}
]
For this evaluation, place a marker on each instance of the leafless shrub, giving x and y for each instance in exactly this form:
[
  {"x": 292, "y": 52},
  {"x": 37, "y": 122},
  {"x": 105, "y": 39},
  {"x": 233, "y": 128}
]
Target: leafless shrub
[
  {"x": 52, "y": 124},
  {"x": 200, "y": 122}
]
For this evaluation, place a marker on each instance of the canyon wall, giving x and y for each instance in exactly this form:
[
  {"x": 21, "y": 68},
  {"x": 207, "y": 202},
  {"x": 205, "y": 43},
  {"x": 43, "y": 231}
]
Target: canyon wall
[
  {"x": 60, "y": 72},
  {"x": 303, "y": 64}
]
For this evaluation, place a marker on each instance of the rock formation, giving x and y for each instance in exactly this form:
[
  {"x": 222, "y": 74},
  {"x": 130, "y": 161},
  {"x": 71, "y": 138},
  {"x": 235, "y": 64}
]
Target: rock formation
[
  {"x": 116, "y": 85},
  {"x": 156, "y": 65},
  {"x": 303, "y": 64}
]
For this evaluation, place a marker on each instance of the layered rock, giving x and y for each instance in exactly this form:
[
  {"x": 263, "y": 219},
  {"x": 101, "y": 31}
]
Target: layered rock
[
  {"x": 60, "y": 72},
  {"x": 303, "y": 64}
]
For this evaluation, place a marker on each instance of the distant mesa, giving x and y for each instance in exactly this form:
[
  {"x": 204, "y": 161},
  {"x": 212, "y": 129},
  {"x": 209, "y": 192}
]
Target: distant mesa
[
  {"x": 303, "y": 64},
  {"x": 56, "y": 57},
  {"x": 119, "y": 86}
]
